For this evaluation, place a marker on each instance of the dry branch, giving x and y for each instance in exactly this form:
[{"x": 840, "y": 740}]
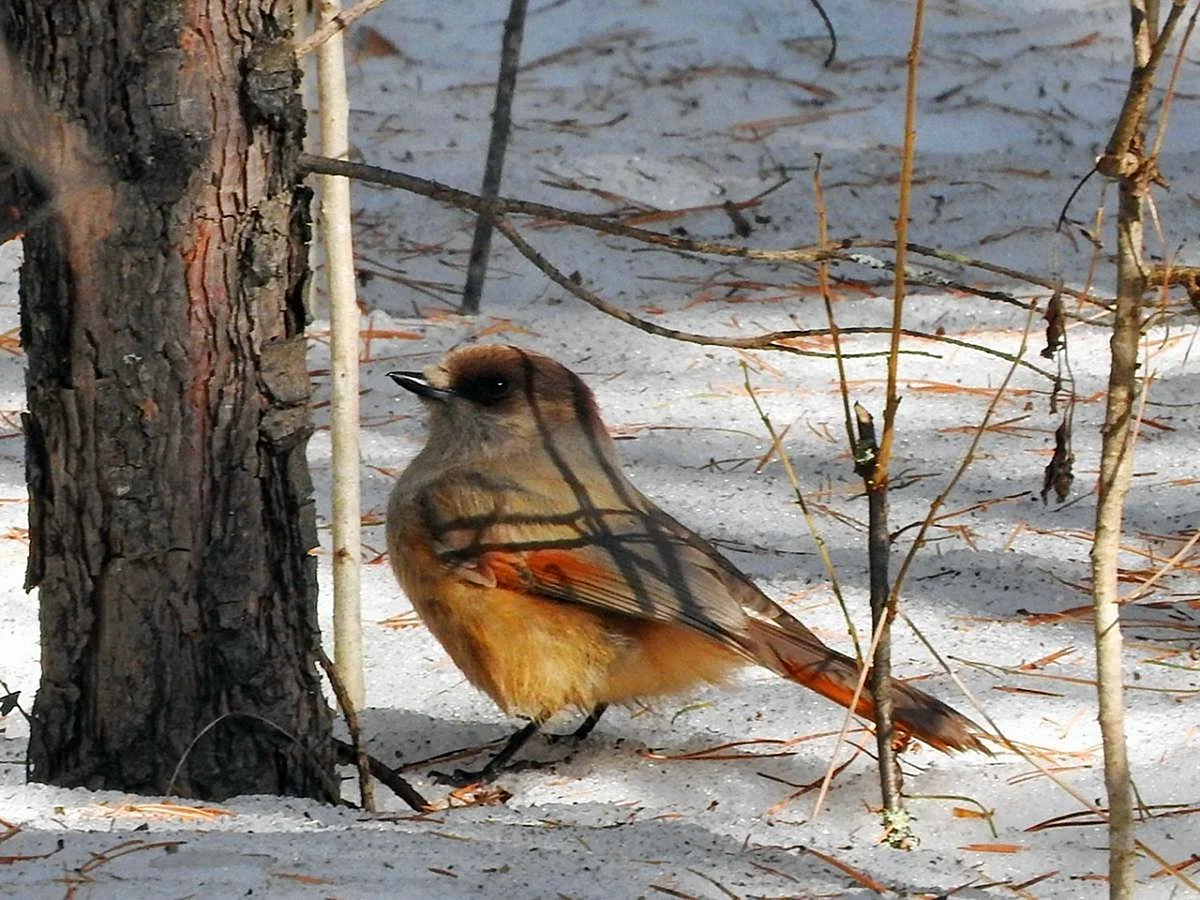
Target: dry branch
[
  {"x": 838, "y": 250},
  {"x": 335, "y": 25},
  {"x": 358, "y": 750},
  {"x": 506, "y": 84}
]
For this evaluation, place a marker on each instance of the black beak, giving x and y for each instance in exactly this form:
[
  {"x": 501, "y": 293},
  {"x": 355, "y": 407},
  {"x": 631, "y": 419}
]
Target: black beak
[{"x": 419, "y": 385}]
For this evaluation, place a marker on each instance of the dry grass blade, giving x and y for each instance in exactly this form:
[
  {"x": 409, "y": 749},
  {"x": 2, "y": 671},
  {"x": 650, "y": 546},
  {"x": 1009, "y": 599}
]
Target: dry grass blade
[
  {"x": 720, "y": 887},
  {"x": 11, "y": 830},
  {"x": 822, "y": 548},
  {"x": 1030, "y": 882},
  {"x": 826, "y": 780},
  {"x": 450, "y": 755},
  {"x": 1174, "y": 562}
]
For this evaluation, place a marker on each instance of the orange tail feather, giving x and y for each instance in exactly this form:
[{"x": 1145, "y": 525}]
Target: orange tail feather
[{"x": 805, "y": 660}]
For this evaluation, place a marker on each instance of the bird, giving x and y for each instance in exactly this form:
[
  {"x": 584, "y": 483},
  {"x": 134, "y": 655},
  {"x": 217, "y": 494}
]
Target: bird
[{"x": 555, "y": 585}]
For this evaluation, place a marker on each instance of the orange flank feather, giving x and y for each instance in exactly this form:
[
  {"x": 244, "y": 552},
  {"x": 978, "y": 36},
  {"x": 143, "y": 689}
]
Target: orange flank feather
[{"x": 536, "y": 656}]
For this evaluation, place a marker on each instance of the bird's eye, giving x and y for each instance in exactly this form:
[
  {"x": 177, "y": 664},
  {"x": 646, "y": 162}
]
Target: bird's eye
[{"x": 485, "y": 390}]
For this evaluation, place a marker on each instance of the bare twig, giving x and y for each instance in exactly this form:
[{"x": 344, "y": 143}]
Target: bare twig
[
  {"x": 829, "y": 29},
  {"x": 1169, "y": 94},
  {"x": 835, "y": 250},
  {"x": 879, "y": 475},
  {"x": 384, "y": 773},
  {"x": 884, "y": 601},
  {"x": 1050, "y": 284},
  {"x": 882, "y": 612},
  {"x": 334, "y": 25},
  {"x": 773, "y": 340},
  {"x": 506, "y": 83},
  {"x": 1123, "y": 155},
  {"x": 366, "y": 791}
]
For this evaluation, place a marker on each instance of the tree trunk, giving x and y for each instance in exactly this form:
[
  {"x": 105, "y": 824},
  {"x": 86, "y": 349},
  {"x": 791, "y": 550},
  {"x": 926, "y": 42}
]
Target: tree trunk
[{"x": 171, "y": 511}]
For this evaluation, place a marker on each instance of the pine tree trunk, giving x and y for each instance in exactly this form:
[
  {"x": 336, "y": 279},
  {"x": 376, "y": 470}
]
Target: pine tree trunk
[{"x": 171, "y": 511}]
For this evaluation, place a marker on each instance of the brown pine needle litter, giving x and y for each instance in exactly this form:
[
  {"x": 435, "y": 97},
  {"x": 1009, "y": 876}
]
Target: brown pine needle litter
[
  {"x": 164, "y": 810},
  {"x": 1081, "y": 818},
  {"x": 961, "y": 812},
  {"x": 302, "y": 879},
  {"x": 475, "y": 795},
  {"x": 671, "y": 892},
  {"x": 860, "y": 877},
  {"x": 993, "y": 848},
  {"x": 81, "y": 875},
  {"x": 717, "y": 752},
  {"x": 1180, "y": 866},
  {"x": 1069, "y": 679},
  {"x": 1056, "y": 770}
]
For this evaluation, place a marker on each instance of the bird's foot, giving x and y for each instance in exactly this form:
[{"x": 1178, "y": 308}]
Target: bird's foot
[{"x": 584, "y": 729}]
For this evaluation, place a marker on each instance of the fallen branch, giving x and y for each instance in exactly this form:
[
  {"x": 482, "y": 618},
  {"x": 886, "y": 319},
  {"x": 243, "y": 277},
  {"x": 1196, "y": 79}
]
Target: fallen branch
[
  {"x": 348, "y": 754},
  {"x": 360, "y": 753}
]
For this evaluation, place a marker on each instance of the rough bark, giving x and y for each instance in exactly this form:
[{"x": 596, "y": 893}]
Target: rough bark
[{"x": 171, "y": 512}]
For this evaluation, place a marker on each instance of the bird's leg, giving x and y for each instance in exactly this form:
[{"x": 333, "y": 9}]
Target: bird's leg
[
  {"x": 499, "y": 762},
  {"x": 584, "y": 729},
  {"x": 461, "y": 777}
]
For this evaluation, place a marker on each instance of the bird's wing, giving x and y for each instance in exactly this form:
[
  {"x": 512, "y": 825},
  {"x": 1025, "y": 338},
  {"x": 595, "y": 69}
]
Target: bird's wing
[{"x": 626, "y": 557}]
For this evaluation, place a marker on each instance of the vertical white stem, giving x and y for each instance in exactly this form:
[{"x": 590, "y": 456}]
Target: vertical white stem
[{"x": 343, "y": 364}]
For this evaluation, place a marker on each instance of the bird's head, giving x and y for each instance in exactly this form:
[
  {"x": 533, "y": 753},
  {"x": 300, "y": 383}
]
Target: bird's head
[{"x": 496, "y": 400}]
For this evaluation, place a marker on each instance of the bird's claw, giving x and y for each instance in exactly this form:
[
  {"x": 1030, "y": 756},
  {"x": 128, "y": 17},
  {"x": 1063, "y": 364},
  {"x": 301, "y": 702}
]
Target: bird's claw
[{"x": 570, "y": 737}]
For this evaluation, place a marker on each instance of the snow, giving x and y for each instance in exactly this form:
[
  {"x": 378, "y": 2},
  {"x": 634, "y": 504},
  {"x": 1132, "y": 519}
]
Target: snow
[{"x": 659, "y": 107}]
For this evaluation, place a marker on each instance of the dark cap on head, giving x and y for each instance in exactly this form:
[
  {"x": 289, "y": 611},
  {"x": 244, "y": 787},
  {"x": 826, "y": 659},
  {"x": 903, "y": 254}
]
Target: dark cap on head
[{"x": 502, "y": 379}]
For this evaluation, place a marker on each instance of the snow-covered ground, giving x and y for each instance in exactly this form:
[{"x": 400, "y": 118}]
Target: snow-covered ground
[{"x": 652, "y": 106}]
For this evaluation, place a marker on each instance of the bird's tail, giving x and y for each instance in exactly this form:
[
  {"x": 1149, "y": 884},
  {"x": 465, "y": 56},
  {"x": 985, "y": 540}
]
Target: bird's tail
[{"x": 801, "y": 657}]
